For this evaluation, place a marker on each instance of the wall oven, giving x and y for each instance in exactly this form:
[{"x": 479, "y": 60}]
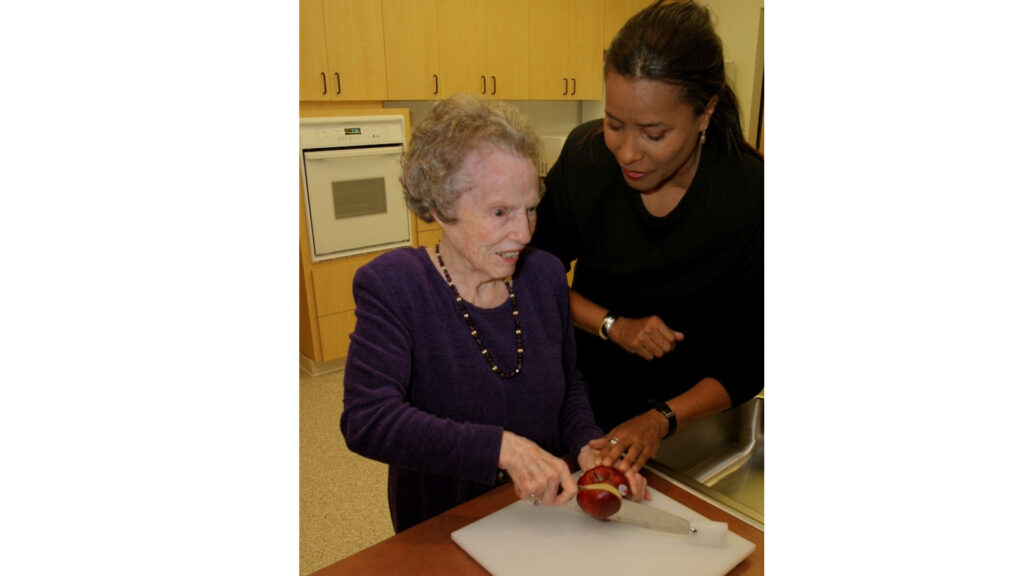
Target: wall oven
[{"x": 350, "y": 170}]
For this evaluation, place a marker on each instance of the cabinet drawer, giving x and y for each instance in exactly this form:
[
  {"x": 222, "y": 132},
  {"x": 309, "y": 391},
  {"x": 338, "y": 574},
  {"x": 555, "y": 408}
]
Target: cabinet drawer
[
  {"x": 335, "y": 330},
  {"x": 332, "y": 283}
]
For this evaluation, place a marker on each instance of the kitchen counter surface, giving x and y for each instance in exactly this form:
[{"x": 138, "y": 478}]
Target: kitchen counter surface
[{"x": 428, "y": 548}]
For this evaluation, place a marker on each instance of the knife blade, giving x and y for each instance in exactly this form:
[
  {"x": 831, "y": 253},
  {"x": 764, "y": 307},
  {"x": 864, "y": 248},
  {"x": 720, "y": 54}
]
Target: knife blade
[
  {"x": 651, "y": 518},
  {"x": 698, "y": 530}
]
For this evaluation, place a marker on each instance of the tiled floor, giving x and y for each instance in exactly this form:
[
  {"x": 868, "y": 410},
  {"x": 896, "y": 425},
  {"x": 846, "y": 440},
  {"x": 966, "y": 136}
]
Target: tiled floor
[{"x": 343, "y": 504}]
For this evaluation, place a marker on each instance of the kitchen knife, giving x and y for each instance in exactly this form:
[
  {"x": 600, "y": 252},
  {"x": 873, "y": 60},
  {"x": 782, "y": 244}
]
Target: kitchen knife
[{"x": 699, "y": 531}]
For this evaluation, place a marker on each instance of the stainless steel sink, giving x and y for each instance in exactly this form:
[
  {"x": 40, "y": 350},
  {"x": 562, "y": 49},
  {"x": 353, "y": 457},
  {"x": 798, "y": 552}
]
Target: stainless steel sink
[{"x": 721, "y": 456}]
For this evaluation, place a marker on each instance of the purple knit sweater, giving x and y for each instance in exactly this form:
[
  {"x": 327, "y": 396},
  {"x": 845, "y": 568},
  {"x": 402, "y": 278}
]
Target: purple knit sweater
[{"x": 420, "y": 396}]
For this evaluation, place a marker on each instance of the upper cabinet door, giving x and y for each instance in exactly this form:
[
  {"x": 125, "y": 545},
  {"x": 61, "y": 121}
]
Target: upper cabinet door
[
  {"x": 566, "y": 49},
  {"x": 586, "y": 48},
  {"x": 508, "y": 49},
  {"x": 410, "y": 41},
  {"x": 549, "y": 49},
  {"x": 355, "y": 49},
  {"x": 484, "y": 48},
  {"x": 462, "y": 41},
  {"x": 313, "y": 67},
  {"x": 341, "y": 50}
]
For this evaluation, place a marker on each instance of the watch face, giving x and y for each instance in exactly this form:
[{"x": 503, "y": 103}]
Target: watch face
[{"x": 606, "y": 325}]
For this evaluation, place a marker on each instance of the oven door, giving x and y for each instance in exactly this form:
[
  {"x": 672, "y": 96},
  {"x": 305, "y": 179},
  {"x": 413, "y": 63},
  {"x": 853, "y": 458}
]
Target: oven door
[{"x": 355, "y": 200}]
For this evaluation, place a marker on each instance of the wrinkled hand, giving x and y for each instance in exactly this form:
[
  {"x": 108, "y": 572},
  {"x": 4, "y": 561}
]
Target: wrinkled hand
[
  {"x": 647, "y": 337},
  {"x": 638, "y": 440},
  {"x": 536, "y": 474},
  {"x": 589, "y": 458}
]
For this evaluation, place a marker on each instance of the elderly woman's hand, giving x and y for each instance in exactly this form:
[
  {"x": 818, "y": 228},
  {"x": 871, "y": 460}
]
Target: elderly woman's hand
[
  {"x": 588, "y": 458},
  {"x": 536, "y": 474},
  {"x": 637, "y": 486},
  {"x": 630, "y": 444}
]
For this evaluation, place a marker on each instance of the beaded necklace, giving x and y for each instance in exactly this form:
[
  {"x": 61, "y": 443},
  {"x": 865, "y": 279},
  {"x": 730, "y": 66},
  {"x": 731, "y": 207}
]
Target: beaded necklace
[{"x": 472, "y": 329}]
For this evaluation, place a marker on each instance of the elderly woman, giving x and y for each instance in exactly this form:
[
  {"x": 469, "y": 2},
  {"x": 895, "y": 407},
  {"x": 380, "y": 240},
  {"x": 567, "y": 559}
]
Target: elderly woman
[{"x": 461, "y": 372}]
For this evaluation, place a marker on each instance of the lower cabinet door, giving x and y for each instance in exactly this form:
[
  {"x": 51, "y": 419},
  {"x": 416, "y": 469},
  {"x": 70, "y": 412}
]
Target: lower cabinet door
[{"x": 334, "y": 334}]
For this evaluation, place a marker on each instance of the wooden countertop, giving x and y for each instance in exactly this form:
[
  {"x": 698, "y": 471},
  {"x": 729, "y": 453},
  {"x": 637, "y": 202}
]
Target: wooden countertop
[{"x": 428, "y": 548}]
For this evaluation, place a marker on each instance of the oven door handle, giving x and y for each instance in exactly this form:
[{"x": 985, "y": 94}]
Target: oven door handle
[{"x": 352, "y": 152}]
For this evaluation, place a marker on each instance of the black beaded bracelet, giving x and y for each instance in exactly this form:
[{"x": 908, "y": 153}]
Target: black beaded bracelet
[{"x": 667, "y": 413}]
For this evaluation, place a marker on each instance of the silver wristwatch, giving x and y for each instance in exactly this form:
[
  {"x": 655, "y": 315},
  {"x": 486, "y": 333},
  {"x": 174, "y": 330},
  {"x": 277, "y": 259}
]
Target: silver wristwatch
[{"x": 606, "y": 326}]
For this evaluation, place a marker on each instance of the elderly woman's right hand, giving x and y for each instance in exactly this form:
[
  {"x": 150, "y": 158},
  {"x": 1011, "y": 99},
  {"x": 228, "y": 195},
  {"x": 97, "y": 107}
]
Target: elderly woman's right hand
[{"x": 536, "y": 474}]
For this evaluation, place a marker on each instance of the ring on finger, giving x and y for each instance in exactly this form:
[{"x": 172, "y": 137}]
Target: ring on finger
[{"x": 613, "y": 440}]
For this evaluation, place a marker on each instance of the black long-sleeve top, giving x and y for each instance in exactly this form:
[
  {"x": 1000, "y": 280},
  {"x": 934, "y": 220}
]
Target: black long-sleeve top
[{"x": 700, "y": 268}]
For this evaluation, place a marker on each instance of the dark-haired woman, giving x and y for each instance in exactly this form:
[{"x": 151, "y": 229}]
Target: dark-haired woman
[{"x": 661, "y": 205}]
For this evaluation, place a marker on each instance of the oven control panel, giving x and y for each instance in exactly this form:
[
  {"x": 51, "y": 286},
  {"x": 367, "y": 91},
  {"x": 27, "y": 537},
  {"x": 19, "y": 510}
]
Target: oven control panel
[{"x": 351, "y": 132}]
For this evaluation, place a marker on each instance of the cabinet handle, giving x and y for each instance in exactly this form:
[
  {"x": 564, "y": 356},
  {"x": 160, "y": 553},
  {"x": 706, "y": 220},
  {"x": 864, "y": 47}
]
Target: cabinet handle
[
  {"x": 338, "y": 78},
  {"x": 323, "y": 77},
  {"x": 573, "y": 86},
  {"x": 566, "y": 91},
  {"x": 484, "y": 79},
  {"x": 435, "y": 84},
  {"x": 494, "y": 85}
]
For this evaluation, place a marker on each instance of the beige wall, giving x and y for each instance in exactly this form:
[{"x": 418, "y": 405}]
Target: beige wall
[{"x": 737, "y": 23}]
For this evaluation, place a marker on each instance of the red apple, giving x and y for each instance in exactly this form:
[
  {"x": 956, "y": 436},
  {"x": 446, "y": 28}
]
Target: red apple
[{"x": 602, "y": 489}]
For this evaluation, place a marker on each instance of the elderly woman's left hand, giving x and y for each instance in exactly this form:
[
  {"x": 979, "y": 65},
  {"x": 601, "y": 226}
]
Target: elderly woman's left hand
[
  {"x": 630, "y": 444},
  {"x": 588, "y": 458}
]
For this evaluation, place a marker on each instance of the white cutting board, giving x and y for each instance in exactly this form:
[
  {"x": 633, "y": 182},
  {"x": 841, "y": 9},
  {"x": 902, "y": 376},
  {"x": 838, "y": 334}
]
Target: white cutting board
[{"x": 523, "y": 539}]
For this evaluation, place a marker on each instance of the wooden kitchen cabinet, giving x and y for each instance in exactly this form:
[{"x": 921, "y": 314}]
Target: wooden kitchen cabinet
[
  {"x": 334, "y": 308},
  {"x": 616, "y": 13},
  {"x": 341, "y": 50},
  {"x": 428, "y": 233},
  {"x": 410, "y": 46},
  {"x": 332, "y": 283},
  {"x": 566, "y": 46},
  {"x": 313, "y": 67},
  {"x": 436, "y": 48},
  {"x": 327, "y": 305},
  {"x": 334, "y": 334},
  {"x": 484, "y": 48}
]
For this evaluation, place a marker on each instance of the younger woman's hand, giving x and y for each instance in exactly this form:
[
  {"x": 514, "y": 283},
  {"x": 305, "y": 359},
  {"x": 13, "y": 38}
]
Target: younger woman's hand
[
  {"x": 647, "y": 337},
  {"x": 590, "y": 458},
  {"x": 630, "y": 444}
]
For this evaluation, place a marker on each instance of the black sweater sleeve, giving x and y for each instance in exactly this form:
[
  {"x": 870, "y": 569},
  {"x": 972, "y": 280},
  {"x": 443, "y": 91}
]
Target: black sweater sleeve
[{"x": 559, "y": 222}]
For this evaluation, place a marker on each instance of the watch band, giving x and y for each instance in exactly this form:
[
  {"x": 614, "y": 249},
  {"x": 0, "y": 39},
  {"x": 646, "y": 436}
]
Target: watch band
[
  {"x": 606, "y": 325},
  {"x": 669, "y": 414}
]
